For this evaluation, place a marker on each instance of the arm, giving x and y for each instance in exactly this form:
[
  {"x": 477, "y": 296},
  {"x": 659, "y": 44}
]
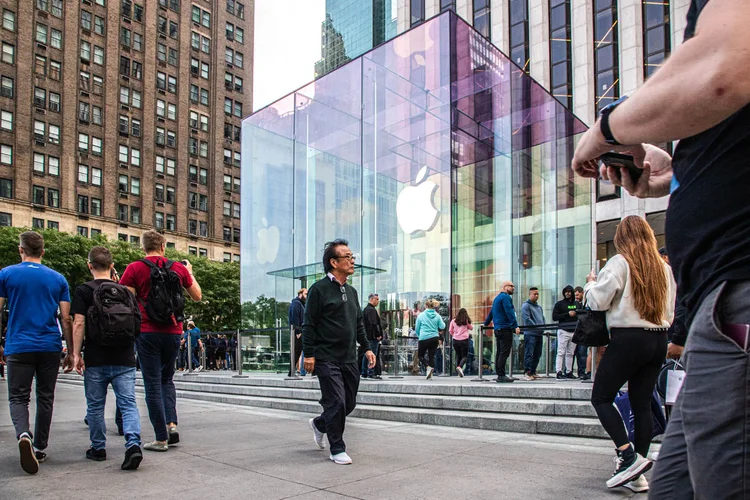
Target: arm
[
  {"x": 526, "y": 314},
  {"x": 418, "y": 325},
  {"x": 510, "y": 312},
  {"x": 452, "y": 328},
  {"x": 312, "y": 317},
  {"x": 79, "y": 327},
  {"x": 560, "y": 314},
  {"x": 361, "y": 334},
  {"x": 600, "y": 293},
  {"x": 194, "y": 290}
]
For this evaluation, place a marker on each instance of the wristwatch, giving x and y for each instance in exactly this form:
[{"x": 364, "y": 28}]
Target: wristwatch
[{"x": 604, "y": 121}]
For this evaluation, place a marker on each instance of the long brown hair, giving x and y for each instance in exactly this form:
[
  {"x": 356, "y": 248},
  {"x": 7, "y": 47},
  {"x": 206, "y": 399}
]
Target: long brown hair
[
  {"x": 462, "y": 318},
  {"x": 636, "y": 242}
]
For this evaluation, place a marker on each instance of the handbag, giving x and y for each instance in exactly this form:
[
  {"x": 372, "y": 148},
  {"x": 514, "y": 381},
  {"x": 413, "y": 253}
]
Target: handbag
[{"x": 591, "y": 329}]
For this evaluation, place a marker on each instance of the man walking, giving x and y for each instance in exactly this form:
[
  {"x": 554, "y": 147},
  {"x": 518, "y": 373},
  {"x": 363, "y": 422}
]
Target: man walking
[
  {"x": 196, "y": 345},
  {"x": 296, "y": 318},
  {"x": 503, "y": 317},
  {"x": 157, "y": 282},
  {"x": 532, "y": 314},
  {"x": 332, "y": 328},
  {"x": 565, "y": 314},
  {"x": 34, "y": 294},
  {"x": 106, "y": 315},
  {"x": 374, "y": 333}
]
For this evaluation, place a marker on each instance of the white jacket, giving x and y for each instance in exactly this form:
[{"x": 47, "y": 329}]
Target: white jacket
[{"x": 613, "y": 292}]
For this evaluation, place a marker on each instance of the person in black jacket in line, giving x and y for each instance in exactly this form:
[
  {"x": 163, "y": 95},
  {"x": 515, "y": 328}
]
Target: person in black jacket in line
[
  {"x": 374, "y": 333},
  {"x": 333, "y": 327},
  {"x": 565, "y": 313},
  {"x": 296, "y": 318}
]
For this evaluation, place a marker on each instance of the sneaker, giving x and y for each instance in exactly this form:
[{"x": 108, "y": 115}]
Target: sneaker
[
  {"x": 430, "y": 371},
  {"x": 133, "y": 458},
  {"x": 318, "y": 436},
  {"x": 629, "y": 466},
  {"x": 198, "y": 368},
  {"x": 156, "y": 446},
  {"x": 376, "y": 377},
  {"x": 40, "y": 456},
  {"x": 560, "y": 376},
  {"x": 637, "y": 485},
  {"x": 570, "y": 376},
  {"x": 96, "y": 455},
  {"x": 29, "y": 463},
  {"x": 341, "y": 458},
  {"x": 529, "y": 377},
  {"x": 460, "y": 371},
  {"x": 174, "y": 436},
  {"x": 586, "y": 376},
  {"x": 504, "y": 380}
]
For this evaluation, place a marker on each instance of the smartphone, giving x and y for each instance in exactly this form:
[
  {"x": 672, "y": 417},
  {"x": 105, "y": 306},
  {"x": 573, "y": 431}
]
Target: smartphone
[
  {"x": 622, "y": 161},
  {"x": 739, "y": 333}
]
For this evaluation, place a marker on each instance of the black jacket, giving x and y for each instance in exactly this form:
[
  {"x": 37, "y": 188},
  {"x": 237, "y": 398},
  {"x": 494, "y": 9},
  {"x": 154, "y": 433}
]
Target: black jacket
[
  {"x": 297, "y": 314},
  {"x": 561, "y": 312},
  {"x": 372, "y": 323}
]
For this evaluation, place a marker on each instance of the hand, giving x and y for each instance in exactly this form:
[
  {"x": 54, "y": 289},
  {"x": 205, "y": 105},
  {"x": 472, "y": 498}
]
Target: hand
[
  {"x": 309, "y": 365},
  {"x": 656, "y": 179},
  {"x": 591, "y": 277},
  {"x": 518, "y": 331},
  {"x": 78, "y": 364},
  {"x": 188, "y": 266},
  {"x": 586, "y": 157},
  {"x": 572, "y": 314},
  {"x": 674, "y": 351},
  {"x": 68, "y": 363},
  {"x": 298, "y": 335},
  {"x": 370, "y": 360}
]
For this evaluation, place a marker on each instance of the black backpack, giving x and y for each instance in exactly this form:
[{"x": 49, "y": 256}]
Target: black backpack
[
  {"x": 165, "y": 303},
  {"x": 113, "y": 319}
]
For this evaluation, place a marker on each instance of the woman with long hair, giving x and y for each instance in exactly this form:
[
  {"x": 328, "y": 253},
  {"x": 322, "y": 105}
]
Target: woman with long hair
[
  {"x": 459, "y": 330},
  {"x": 429, "y": 325},
  {"x": 637, "y": 290}
]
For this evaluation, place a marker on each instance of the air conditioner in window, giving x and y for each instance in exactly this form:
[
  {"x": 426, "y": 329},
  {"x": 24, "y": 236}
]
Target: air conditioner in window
[{"x": 41, "y": 46}]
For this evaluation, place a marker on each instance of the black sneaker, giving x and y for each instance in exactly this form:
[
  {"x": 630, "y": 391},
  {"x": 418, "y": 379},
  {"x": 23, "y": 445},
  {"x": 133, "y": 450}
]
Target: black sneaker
[
  {"x": 570, "y": 376},
  {"x": 40, "y": 456},
  {"x": 133, "y": 458},
  {"x": 560, "y": 376},
  {"x": 586, "y": 376},
  {"x": 174, "y": 436},
  {"x": 96, "y": 455},
  {"x": 630, "y": 465},
  {"x": 504, "y": 380},
  {"x": 29, "y": 463}
]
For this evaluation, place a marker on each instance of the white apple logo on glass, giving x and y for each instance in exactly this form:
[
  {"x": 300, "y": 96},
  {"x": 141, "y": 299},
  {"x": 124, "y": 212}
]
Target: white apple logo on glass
[
  {"x": 415, "y": 209},
  {"x": 269, "y": 243}
]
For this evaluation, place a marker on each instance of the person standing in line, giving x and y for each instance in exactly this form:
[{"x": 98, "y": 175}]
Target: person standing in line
[
  {"x": 503, "y": 317},
  {"x": 106, "y": 323},
  {"x": 296, "y": 318},
  {"x": 34, "y": 294},
  {"x": 565, "y": 314},
  {"x": 374, "y": 333},
  {"x": 637, "y": 290},
  {"x": 157, "y": 282},
  {"x": 582, "y": 352},
  {"x": 429, "y": 326},
  {"x": 221, "y": 352},
  {"x": 196, "y": 345},
  {"x": 532, "y": 314},
  {"x": 332, "y": 328},
  {"x": 459, "y": 329}
]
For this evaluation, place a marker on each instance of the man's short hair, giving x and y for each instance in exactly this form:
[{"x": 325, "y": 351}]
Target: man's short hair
[
  {"x": 153, "y": 241},
  {"x": 100, "y": 258},
  {"x": 533, "y": 288},
  {"x": 32, "y": 243},
  {"x": 329, "y": 252},
  {"x": 372, "y": 296},
  {"x": 579, "y": 289},
  {"x": 300, "y": 291}
]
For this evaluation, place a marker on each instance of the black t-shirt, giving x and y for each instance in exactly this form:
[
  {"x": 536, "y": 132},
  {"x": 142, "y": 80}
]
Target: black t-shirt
[
  {"x": 708, "y": 219},
  {"x": 95, "y": 355}
]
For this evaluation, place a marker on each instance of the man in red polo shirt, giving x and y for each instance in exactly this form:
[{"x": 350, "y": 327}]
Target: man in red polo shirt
[{"x": 159, "y": 341}]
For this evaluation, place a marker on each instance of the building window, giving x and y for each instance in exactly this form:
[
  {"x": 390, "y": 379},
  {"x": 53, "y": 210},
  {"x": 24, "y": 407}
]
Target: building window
[
  {"x": 37, "y": 223},
  {"x": 39, "y": 163},
  {"x": 95, "y": 232},
  {"x": 227, "y": 257},
  {"x": 173, "y": 29},
  {"x": 83, "y": 231},
  {"x": 83, "y": 204},
  {"x": 560, "y": 52},
  {"x": 135, "y": 215},
  {"x": 9, "y": 20},
  {"x": 417, "y": 12},
  {"x": 98, "y": 55},
  {"x": 171, "y": 223},
  {"x": 519, "y": 34},
  {"x": 53, "y": 198},
  {"x": 122, "y": 184},
  {"x": 236, "y": 235},
  {"x": 236, "y": 210},
  {"x": 170, "y": 195},
  {"x": 203, "y": 230},
  {"x": 54, "y": 134},
  {"x": 38, "y": 195},
  {"x": 6, "y": 188},
  {"x": 237, "y": 185},
  {"x": 56, "y": 38},
  {"x": 202, "y": 252},
  {"x": 54, "y": 70},
  {"x": 228, "y": 208},
  {"x": 54, "y": 102},
  {"x": 228, "y": 234},
  {"x": 96, "y": 206},
  {"x": 99, "y": 25},
  {"x": 39, "y": 131},
  {"x": 159, "y": 220},
  {"x": 135, "y": 186},
  {"x": 481, "y": 17},
  {"x": 137, "y": 42},
  {"x": 606, "y": 59},
  {"x": 86, "y": 20},
  {"x": 51, "y": 224},
  {"x": 53, "y": 166},
  {"x": 6, "y": 154},
  {"x": 96, "y": 176},
  {"x": 159, "y": 192},
  {"x": 193, "y": 227},
  {"x": 193, "y": 200},
  {"x": 122, "y": 213},
  {"x": 135, "y": 157},
  {"x": 83, "y": 173},
  {"x": 9, "y": 53},
  {"x": 192, "y": 250},
  {"x": 6, "y": 120},
  {"x": 96, "y": 115},
  {"x": 6, "y": 90},
  {"x": 656, "y": 35},
  {"x": 41, "y": 33}
]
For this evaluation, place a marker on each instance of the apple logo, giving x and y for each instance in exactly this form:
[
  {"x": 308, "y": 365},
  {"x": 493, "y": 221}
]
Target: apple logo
[
  {"x": 415, "y": 209},
  {"x": 269, "y": 243}
]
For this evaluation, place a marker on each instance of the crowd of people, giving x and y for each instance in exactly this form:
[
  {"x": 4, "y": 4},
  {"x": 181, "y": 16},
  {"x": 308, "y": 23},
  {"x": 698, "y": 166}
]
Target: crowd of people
[{"x": 220, "y": 350}]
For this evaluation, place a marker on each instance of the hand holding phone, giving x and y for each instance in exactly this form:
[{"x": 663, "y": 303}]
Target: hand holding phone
[{"x": 620, "y": 161}]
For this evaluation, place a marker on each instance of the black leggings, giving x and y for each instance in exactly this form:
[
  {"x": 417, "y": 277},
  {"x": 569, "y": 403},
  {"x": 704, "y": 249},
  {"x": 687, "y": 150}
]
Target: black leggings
[
  {"x": 462, "y": 351},
  {"x": 429, "y": 346},
  {"x": 634, "y": 356}
]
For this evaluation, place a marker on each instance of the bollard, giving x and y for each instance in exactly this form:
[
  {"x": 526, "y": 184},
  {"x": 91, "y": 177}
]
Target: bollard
[
  {"x": 238, "y": 357},
  {"x": 395, "y": 359},
  {"x": 481, "y": 360},
  {"x": 189, "y": 358},
  {"x": 292, "y": 361}
]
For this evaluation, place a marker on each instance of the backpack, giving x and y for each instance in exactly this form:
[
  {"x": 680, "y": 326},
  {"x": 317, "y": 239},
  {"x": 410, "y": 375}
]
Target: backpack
[
  {"x": 113, "y": 319},
  {"x": 165, "y": 303}
]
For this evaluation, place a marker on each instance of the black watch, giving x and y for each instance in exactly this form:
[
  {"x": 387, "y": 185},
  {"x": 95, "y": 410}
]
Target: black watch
[{"x": 604, "y": 121}]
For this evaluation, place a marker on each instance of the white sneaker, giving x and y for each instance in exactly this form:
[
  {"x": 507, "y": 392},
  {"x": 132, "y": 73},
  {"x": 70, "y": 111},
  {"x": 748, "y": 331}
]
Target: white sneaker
[
  {"x": 528, "y": 377},
  {"x": 625, "y": 474},
  {"x": 319, "y": 437},
  {"x": 430, "y": 371},
  {"x": 341, "y": 458},
  {"x": 637, "y": 485},
  {"x": 198, "y": 368},
  {"x": 460, "y": 371}
]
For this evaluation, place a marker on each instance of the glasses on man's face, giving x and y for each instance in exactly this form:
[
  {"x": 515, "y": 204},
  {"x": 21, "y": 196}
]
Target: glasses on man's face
[
  {"x": 350, "y": 258},
  {"x": 343, "y": 293}
]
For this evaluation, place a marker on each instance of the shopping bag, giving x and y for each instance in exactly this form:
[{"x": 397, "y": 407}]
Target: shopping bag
[
  {"x": 675, "y": 379},
  {"x": 622, "y": 403}
]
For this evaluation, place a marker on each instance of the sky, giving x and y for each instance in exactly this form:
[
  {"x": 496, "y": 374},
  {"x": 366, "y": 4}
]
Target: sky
[{"x": 287, "y": 45}]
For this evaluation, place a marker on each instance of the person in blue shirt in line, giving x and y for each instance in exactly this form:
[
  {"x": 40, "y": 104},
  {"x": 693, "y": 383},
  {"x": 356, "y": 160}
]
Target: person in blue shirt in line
[
  {"x": 503, "y": 317},
  {"x": 532, "y": 314},
  {"x": 429, "y": 325},
  {"x": 196, "y": 344}
]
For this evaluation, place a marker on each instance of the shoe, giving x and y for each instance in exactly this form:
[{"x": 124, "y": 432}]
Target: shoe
[
  {"x": 560, "y": 376},
  {"x": 40, "y": 456},
  {"x": 341, "y": 458},
  {"x": 318, "y": 436},
  {"x": 655, "y": 456},
  {"x": 376, "y": 377},
  {"x": 430, "y": 371},
  {"x": 629, "y": 466},
  {"x": 86, "y": 421},
  {"x": 504, "y": 380},
  {"x": 96, "y": 455},
  {"x": 174, "y": 436},
  {"x": 460, "y": 371},
  {"x": 637, "y": 485},
  {"x": 570, "y": 376},
  {"x": 133, "y": 458},
  {"x": 198, "y": 368},
  {"x": 29, "y": 463},
  {"x": 362, "y": 376},
  {"x": 586, "y": 376},
  {"x": 529, "y": 377},
  {"x": 156, "y": 446}
]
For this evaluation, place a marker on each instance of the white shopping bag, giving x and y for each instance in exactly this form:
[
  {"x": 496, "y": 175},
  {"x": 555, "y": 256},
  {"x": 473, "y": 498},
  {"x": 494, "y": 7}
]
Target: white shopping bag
[{"x": 675, "y": 379}]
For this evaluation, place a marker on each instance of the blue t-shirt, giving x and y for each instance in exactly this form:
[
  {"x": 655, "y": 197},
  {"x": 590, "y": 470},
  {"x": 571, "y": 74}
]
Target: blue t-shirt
[
  {"x": 195, "y": 335},
  {"x": 33, "y": 292}
]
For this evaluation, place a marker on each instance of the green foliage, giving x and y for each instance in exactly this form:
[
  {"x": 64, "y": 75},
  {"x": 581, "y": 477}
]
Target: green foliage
[{"x": 219, "y": 309}]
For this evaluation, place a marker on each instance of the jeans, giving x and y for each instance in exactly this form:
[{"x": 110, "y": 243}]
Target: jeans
[
  {"x": 581, "y": 353},
  {"x": 565, "y": 350},
  {"x": 635, "y": 356},
  {"x": 364, "y": 369},
  {"x": 504, "y": 344},
  {"x": 22, "y": 369},
  {"x": 339, "y": 383},
  {"x": 95, "y": 381},
  {"x": 462, "y": 351},
  {"x": 706, "y": 449},
  {"x": 532, "y": 352},
  {"x": 157, "y": 352},
  {"x": 428, "y": 346},
  {"x": 195, "y": 359}
]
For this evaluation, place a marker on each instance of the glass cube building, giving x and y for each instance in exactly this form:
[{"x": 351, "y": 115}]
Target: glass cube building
[{"x": 442, "y": 163}]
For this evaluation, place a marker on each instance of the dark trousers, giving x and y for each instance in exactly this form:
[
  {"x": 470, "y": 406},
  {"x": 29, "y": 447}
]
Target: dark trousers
[
  {"x": 532, "y": 345},
  {"x": 364, "y": 369},
  {"x": 157, "y": 353},
  {"x": 339, "y": 383},
  {"x": 634, "y": 356},
  {"x": 581, "y": 353},
  {"x": 428, "y": 346},
  {"x": 504, "y": 339},
  {"x": 22, "y": 369},
  {"x": 462, "y": 351}
]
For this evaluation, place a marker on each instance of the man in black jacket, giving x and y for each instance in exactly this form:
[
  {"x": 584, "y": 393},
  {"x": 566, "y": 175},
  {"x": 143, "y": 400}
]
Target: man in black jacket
[
  {"x": 332, "y": 329},
  {"x": 296, "y": 318},
  {"x": 565, "y": 313},
  {"x": 374, "y": 333}
]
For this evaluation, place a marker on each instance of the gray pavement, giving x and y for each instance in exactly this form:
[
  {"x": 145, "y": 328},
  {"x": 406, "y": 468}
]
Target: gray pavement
[{"x": 230, "y": 452}]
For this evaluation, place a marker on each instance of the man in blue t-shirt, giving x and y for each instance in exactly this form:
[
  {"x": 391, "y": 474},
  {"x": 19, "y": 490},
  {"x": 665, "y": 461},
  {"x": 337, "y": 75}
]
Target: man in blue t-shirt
[
  {"x": 34, "y": 294},
  {"x": 196, "y": 345}
]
